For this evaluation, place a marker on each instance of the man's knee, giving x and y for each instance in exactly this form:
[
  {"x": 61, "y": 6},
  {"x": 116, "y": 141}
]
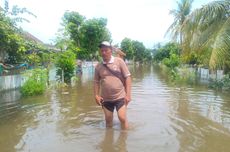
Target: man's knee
[
  {"x": 122, "y": 114},
  {"x": 122, "y": 118},
  {"x": 109, "y": 119}
]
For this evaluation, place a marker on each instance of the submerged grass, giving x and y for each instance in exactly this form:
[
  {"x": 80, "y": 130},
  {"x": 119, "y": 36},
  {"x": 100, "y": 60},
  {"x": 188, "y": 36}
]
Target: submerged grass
[{"x": 36, "y": 83}]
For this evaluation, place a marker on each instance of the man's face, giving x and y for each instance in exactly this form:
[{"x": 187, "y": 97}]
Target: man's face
[{"x": 106, "y": 53}]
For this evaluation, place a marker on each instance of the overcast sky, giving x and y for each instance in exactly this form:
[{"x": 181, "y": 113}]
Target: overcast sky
[{"x": 142, "y": 20}]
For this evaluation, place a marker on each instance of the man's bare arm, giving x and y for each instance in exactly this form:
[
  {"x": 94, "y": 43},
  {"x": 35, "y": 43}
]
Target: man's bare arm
[
  {"x": 98, "y": 98},
  {"x": 128, "y": 82},
  {"x": 96, "y": 88}
]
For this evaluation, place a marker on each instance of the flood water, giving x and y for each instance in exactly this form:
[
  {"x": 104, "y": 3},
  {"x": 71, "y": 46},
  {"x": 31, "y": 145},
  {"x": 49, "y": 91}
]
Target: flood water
[{"x": 163, "y": 118}]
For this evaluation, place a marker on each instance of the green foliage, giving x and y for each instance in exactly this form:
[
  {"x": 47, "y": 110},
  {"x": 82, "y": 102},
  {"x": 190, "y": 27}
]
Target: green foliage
[
  {"x": 191, "y": 58},
  {"x": 65, "y": 63},
  {"x": 14, "y": 48},
  {"x": 166, "y": 51},
  {"x": 179, "y": 76},
  {"x": 14, "y": 44},
  {"x": 214, "y": 34},
  {"x": 172, "y": 62},
  {"x": 33, "y": 59},
  {"x": 36, "y": 82},
  {"x": 93, "y": 32},
  {"x": 160, "y": 54},
  {"x": 15, "y": 12},
  {"x": 136, "y": 51},
  {"x": 204, "y": 33},
  {"x": 11, "y": 42},
  {"x": 222, "y": 84},
  {"x": 168, "y": 54},
  {"x": 186, "y": 75},
  {"x": 45, "y": 58},
  {"x": 82, "y": 35},
  {"x": 174, "y": 75},
  {"x": 72, "y": 22},
  {"x": 180, "y": 13},
  {"x": 127, "y": 46},
  {"x": 147, "y": 57}
]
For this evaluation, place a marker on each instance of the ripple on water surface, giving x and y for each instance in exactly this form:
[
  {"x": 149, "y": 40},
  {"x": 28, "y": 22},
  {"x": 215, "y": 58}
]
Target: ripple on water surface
[{"x": 162, "y": 117}]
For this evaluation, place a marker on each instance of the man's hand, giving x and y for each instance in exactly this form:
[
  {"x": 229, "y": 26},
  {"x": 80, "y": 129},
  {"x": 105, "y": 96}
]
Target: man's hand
[
  {"x": 99, "y": 100},
  {"x": 127, "y": 99}
]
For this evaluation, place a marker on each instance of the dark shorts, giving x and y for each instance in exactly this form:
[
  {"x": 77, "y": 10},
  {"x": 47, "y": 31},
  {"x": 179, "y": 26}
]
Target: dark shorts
[{"x": 110, "y": 105}]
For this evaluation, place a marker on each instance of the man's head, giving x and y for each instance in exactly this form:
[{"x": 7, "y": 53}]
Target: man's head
[{"x": 105, "y": 50}]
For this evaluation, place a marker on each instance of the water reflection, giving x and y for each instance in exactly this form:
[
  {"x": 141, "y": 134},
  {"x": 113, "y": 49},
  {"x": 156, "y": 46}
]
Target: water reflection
[
  {"x": 9, "y": 96},
  {"x": 109, "y": 143},
  {"x": 162, "y": 116}
]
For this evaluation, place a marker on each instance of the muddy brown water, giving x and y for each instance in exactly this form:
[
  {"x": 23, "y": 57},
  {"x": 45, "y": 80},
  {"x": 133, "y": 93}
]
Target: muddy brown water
[{"x": 163, "y": 118}]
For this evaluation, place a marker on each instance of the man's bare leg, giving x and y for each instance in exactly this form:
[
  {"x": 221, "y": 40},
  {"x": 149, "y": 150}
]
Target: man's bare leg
[
  {"x": 108, "y": 118},
  {"x": 123, "y": 118}
]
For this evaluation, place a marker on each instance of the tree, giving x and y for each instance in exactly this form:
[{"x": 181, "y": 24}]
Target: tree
[
  {"x": 138, "y": 51},
  {"x": 12, "y": 44},
  {"x": 11, "y": 41},
  {"x": 65, "y": 63},
  {"x": 180, "y": 14},
  {"x": 93, "y": 32},
  {"x": 82, "y": 36},
  {"x": 165, "y": 51},
  {"x": 15, "y": 12},
  {"x": 207, "y": 29},
  {"x": 72, "y": 22},
  {"x": 148, "y": 55},
  {"x": 127, "y": 47}
]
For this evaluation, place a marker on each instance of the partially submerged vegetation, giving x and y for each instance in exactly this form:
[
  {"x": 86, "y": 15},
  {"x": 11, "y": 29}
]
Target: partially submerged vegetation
[
  {"x": 36, "y": 82},
  {"x": 168, "y": 57},
  {"x": 201, "y": 38},
  {"x": 222, "y": 84},
  {"x": 65, "y": 63}
]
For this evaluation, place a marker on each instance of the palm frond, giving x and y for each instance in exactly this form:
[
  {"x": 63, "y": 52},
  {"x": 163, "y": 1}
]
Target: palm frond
[
  {"x": 208, "y": 28},
  {"x": 221, "y": 47},
  {"x": 183, "y": 9}
]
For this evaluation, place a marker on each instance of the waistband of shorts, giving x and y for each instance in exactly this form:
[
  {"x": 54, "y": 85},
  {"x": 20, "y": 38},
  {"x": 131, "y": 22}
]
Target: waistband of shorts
[{"x": 114, "y": 100}]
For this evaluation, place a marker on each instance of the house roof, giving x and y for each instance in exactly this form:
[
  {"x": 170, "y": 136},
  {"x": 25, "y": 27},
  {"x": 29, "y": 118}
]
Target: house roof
[{"x": 30, "y": 37}]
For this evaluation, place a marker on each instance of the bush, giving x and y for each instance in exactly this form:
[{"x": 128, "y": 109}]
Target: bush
[
  {"x": 36, "y": 83},
  {"x": 165, "y": 51},
  {"x": 187, "y": 75},
  {"x": 33, "y": 59},
  {"x": 223, "y": 83},
  {"x": 172, "y": 62},
  {"x": 65, "y": 61}
]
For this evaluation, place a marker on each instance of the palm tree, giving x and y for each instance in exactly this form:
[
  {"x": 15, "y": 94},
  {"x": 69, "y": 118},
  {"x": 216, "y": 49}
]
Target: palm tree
[
  {"x": 180, "y": 14},
  {"x": 208, "y": 28}
]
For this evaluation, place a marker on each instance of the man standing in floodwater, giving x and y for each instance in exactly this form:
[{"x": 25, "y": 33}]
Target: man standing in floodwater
[{"x": 112, "y": 86}]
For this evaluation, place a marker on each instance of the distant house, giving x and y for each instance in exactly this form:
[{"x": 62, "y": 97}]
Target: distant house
[
  {"x": 28, "y": 36},
  {"x": 31, "y": 38},
  {"x": 52, "y": 48}
]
